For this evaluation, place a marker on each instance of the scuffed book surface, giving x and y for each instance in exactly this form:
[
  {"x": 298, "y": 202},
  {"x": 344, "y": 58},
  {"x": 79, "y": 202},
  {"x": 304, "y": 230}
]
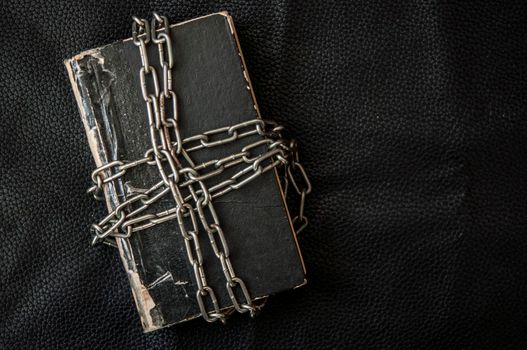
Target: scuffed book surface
[{"x": 213, "y": 91}]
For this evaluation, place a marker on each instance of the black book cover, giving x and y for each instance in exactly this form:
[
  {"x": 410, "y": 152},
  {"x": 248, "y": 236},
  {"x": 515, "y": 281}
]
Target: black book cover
[{"x": 213, "y": 89}]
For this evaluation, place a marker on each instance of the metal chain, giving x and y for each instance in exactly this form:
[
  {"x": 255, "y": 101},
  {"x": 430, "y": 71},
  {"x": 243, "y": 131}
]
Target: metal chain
[
  {"x": 164, "y": 154},
  {"x": 170, "y": 153},
  {"x": 200, "y": 202}
]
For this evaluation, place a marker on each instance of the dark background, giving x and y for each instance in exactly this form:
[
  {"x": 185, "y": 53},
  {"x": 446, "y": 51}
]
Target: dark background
[{"x": 412, "y": 123}]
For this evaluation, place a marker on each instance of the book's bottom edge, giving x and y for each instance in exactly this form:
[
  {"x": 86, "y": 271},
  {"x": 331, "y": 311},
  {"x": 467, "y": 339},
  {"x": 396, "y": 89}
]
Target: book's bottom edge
[{"x": 193, "y": 317}]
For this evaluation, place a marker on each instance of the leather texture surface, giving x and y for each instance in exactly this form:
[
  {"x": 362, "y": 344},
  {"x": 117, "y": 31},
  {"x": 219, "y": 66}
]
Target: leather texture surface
[{"x": 411, "y": 118}]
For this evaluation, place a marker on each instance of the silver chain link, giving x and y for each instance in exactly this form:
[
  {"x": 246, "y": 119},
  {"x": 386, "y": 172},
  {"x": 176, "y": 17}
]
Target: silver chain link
[{"x": 170, "y": 153}]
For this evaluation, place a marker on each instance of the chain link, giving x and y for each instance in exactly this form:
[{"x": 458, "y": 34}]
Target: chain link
[{"x": 170, "y": 153}]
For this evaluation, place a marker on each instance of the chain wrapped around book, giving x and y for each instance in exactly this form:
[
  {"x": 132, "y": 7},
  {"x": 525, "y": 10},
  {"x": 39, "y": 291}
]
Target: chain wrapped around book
[{"x": 195, "y": 181}]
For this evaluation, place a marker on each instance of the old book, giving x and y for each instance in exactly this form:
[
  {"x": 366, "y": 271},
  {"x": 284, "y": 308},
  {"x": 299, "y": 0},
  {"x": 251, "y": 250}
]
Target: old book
[{"x": 213, "y": 89}]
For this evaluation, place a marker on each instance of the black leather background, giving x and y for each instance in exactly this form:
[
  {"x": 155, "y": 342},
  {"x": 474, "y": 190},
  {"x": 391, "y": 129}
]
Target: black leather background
[{"x": 411, "y": 117}]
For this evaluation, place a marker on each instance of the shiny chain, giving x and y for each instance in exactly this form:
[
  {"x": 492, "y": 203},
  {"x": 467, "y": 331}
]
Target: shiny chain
[
  {"x": 161, "y": 125},
  {"x": 170, "y": 153}
]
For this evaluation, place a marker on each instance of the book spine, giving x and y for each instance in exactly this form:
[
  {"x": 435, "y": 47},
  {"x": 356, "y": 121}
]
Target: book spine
[{"x": 91, "y": 83}]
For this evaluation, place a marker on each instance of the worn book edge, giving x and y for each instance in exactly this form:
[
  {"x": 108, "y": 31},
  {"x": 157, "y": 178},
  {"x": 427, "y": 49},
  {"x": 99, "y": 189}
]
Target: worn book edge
[{"x": 142, "y": 298}]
